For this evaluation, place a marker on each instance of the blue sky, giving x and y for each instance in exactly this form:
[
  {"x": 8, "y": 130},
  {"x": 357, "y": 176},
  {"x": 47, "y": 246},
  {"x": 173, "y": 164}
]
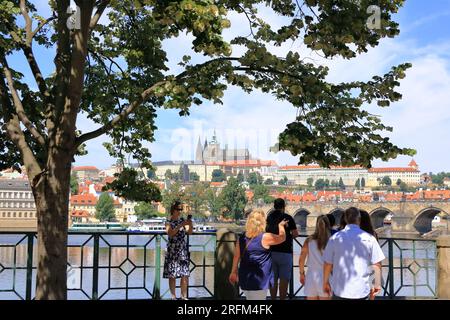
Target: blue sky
[{"x": 420, "y": 120}]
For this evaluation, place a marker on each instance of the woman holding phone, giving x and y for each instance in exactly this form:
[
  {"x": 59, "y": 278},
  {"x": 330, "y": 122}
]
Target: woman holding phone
[{"x": 176, "y": 262}]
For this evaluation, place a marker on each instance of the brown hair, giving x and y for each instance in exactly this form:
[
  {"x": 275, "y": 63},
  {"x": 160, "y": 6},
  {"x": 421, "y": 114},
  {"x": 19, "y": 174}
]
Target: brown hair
[
  {"x": 256, "y": 223},
  {"x": 175, "y": 205},
  {"x": 322, "y": 232},
  {"x": 352, "y": 215},
  {"x": 366, "y": 223}
]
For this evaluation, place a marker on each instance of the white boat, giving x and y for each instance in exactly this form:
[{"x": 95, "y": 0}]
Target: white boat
[
  {"x": 156, "y": 225},
  {"x": 204, "y": 228},
  {"x": 157, "y": 228},
  {"x": 106, "y": 226}
]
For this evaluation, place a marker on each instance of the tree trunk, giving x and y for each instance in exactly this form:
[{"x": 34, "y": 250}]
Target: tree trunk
[{"x": 51, "y": 194}]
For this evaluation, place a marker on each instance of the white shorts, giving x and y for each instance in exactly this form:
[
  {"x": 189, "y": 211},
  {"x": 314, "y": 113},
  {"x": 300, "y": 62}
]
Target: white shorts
[
  {"x": 255, "y": 294},
  {"x": 314, "y": 285}
]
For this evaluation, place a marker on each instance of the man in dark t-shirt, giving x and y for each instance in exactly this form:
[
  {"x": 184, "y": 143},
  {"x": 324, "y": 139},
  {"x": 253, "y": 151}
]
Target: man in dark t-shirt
[{"x": 281, "y": 253}]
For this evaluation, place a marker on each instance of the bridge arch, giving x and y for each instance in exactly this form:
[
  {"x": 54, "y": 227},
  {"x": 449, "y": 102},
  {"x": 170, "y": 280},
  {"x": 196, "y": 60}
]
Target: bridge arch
[
  {"x": 300, "y": 217},
  {"x": 337, "y": 213},
  {"x": 378, "y": 215},
  {"x": 423, "y": 220}
]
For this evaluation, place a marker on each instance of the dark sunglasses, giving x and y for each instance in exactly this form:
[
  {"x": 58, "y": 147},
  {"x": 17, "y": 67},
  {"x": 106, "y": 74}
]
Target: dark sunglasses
[{"x": 179, "y": 209}]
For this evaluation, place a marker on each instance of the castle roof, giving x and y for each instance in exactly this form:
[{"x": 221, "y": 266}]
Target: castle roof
[
  {"x": 311, "y": 167},
  {"x": 85, "y": 168},
  {"x": 412, "y": 163},
  {"x": 392, "y": 169}
]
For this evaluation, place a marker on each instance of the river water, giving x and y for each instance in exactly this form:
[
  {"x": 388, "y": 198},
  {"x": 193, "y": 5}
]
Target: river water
[{"x": 134, "y": 267}]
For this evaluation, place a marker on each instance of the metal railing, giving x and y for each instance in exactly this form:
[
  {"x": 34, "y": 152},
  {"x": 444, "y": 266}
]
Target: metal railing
[
  {"x": 126, "y": 265},
  {"x": 409, "y": 270},
  {"x": 106, "y": 265}
]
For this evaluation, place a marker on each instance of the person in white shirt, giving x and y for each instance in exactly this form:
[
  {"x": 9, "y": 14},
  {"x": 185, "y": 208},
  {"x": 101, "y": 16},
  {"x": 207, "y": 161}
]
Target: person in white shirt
[
  {"x": 349, "y": 256},
  {"x": 312, "y": 251}
]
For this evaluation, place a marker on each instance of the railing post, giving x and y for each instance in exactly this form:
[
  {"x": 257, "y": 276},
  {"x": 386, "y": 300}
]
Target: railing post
[
  {"x": 95, "y": 267},
  {"x": 157, "y": 284},
  {"x": 223, "y": 289},
  {"x": 391, "y": 268},
  {"x": 443, "y": 267},
  {"x": 30, "y": 239}
]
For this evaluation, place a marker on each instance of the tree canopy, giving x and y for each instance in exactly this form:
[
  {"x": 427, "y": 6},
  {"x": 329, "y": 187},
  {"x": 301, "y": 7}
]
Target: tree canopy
[
  {"x": 218, "y": 175},
  {"x": 145, "y": 210},
  {"x": 234, "y": 199},
  {"x": 124, "y": 73},
  {"x": 104, "y": 209}
]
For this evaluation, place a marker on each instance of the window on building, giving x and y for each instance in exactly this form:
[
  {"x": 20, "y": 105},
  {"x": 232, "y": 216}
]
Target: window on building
[
  {"x": 20, "y": 214},
  {"x": 25, "y": 215},
  {"x": 14, "y": 214}
]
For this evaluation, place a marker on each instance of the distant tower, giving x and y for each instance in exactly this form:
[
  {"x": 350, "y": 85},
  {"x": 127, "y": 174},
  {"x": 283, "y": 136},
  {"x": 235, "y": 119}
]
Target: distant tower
[
  {"x": 214, "y": 138},
  {"x": 199, "y": 152},
  {"x": 413, "y": 164}
]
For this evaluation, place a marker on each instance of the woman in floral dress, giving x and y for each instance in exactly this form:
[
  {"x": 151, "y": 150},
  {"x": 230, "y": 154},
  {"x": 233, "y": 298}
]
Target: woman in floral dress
[{"x": 176, "y": 263}]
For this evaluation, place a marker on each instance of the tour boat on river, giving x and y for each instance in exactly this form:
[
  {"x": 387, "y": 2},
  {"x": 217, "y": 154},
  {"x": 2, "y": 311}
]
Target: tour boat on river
[{"x": 104, "y": 226}]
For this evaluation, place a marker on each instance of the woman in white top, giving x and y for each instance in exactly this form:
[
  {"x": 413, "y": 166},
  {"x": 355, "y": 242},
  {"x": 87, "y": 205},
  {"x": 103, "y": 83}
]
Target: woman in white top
[{"x": 312, "y": 250}]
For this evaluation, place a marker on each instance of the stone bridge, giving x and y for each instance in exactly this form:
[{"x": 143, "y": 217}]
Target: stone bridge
[{"x": 407, "y": 216}]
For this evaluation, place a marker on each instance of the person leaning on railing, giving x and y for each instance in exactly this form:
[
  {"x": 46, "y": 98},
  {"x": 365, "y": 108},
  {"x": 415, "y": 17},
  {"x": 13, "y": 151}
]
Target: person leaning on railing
[
  {"x": 252, "y": 262},
  {"x": 176, "y": 262}
]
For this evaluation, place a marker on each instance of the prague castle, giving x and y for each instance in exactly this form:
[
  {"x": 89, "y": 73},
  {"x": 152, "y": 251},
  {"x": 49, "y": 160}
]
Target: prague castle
[{"x": 211, "y": 152}]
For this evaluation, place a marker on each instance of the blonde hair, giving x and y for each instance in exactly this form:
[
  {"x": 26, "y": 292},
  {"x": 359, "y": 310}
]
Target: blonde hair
[
  {"x": 322, "y": 232},
  {"x": 256, "y": 223}
]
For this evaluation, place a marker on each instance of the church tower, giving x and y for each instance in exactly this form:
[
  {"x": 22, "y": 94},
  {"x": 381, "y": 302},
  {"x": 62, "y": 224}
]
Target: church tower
[{"x": 199, "y": 152}]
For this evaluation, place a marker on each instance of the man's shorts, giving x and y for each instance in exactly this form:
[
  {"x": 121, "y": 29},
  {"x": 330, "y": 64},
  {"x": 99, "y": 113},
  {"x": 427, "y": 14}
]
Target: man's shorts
[{"x": 282, "y": 265}]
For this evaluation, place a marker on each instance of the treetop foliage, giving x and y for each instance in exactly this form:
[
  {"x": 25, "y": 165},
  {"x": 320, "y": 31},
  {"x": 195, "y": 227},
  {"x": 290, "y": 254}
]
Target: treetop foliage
[{"x": 126, "y": 74}]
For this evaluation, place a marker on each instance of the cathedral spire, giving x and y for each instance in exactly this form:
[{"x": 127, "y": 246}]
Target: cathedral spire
[
  {"x": 199, "y": 151},
  {"x": 214, "y": 137}
]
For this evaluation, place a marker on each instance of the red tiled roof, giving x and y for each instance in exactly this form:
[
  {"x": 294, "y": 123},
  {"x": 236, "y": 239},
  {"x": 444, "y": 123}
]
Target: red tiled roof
[
  {"x": 393, "y": 169},
  {"x": 83, "y": 199},
  {"x": 413, "y": 196},
  {"x": 365, "y": 198},
  {"x": 412, "y": 163},
  {"x": 309, "y": 197},
  {"x": 98, "y": 187},
  {"x": 393, "y": 196},
  {"x": 109, "y": 179},
  {"x": 436, "y": 194},
  {"x": 310, "y": 167},
  {"x": 79, "y": 213},
  {"x": 216, "y": 184},
  {"x": 83, "y": 189},
  {"x": 85, "y": 168}
]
